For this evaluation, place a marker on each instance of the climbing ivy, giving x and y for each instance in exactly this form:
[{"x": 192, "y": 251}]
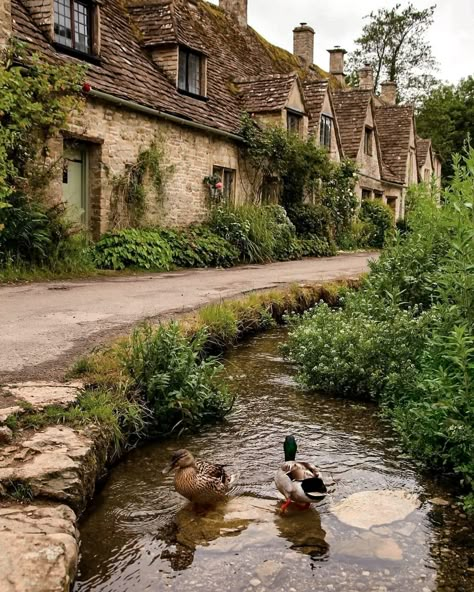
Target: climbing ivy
[{"x": 130, "y": 188}]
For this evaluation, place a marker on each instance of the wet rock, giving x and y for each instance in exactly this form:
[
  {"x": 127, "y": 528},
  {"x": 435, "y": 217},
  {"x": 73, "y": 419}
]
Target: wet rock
[
  {"x": 438, "y": 501},
  {"x": 6, "y": 435},
  {"x": 372, "y": 508},
  {"x": 269, "y": 570},
  {"x": 38, "y": 548},
  {"x": 368, "y": 545},
  {"x": 57, "y": 463},
  {"x": 255, "y": 583}
]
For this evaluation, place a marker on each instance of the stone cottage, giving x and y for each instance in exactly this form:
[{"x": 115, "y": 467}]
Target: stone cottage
[{"x": 181, "y": 73}]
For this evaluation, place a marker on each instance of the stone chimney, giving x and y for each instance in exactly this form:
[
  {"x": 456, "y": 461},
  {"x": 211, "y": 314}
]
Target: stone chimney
[
  {"x": 303, "y": 43},
  {"x": 336, "y": 63},
  {"x": 237, "y": 8},
  {"x": 389, "y": 92},
  {"x": 366, "y": 77},
  {"x": 5, "y": 22}
]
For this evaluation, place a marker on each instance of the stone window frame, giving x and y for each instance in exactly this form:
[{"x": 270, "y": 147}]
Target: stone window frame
[
  {"x": 294, "y": 121},
  {"x": 185, "y": 54},
  {"x": 325, "y": 130},
  {"x": 366, "y": 194},
  {"x": 369, "y": 140},
  {"x": 227, "y": 177},
  {"x": 93, "y": 26}
]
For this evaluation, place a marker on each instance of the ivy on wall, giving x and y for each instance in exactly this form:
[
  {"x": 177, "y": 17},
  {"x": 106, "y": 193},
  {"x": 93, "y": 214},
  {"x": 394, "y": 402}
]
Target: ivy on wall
[{"x": 130, "y": 189}]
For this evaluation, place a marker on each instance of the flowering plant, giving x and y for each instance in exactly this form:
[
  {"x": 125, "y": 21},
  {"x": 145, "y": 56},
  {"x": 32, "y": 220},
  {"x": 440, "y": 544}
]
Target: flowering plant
[{"x": 215, "y": 185}]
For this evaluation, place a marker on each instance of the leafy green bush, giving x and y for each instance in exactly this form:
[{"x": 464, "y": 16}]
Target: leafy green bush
[
  {"x": 313, "y": 220},
  {"x": 261, "y": 233},
  {"x": 313, "y": 246},
  {"x": 380, "y": 217},
  {"x": 142, "y": 249},
  {"x": 181, "y": 388}
]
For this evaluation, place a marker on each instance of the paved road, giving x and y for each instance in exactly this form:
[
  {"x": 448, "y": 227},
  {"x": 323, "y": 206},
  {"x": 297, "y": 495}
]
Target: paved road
[{"x": 44, "y": 326}]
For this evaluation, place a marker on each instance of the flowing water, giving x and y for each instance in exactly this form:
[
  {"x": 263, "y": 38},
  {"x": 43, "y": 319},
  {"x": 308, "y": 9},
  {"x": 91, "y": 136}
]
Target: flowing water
[{"x": 140, "y": 535}]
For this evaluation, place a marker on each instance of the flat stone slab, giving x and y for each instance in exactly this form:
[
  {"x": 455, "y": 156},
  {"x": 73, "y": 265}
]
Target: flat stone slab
[
  {"x": 58, "y": 463},
  {"x": 368, "y": 545},
  {"x": 38, "y": 548},
  {"x": 366, "y": 509}
]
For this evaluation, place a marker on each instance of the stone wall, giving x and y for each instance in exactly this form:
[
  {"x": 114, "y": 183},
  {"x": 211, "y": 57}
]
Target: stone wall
[
  {"x": 5, "y": 22},
  {"x": 43, "y": 14},
  {"x": 115, "y": 136}
]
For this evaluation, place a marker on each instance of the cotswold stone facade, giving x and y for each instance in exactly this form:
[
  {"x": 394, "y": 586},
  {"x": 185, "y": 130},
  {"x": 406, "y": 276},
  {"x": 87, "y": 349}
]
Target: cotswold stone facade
[{"x": 182, "y": 73}]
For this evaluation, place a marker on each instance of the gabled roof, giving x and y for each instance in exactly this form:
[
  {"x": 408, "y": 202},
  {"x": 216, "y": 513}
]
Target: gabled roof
[
  {"x": 394, "y": 124},
  {"x": 351, "y": 110},
  {"x": 423, "y": 148},
  {"x": 266, "y": 93},
  {"x": 127, "y": 71}
]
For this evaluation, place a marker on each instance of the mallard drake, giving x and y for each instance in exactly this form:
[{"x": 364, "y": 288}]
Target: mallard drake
[
  {"x": 299, "y": 482},
  {"x": 200, "y": 482}
]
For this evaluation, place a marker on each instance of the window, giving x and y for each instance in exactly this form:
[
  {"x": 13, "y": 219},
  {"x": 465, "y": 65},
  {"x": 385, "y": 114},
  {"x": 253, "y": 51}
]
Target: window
[
  {"x": 294, "y": 121},
  {"x": 378, "y": 194},
  {"x": 227, "y": 177},
  {"x": 191, "y": 77},
  {"x": 366, "y": 194},
  {"x": 325, "y": 131},
  {"x": 72, "y": 24},
  {"x": 368, "y": 141}
]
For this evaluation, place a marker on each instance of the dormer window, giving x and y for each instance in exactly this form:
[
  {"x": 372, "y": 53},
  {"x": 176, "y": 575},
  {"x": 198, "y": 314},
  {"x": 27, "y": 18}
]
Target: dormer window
[
  {"x": 73, "y": 24},
  {"x": 191, "y": 75},
  {"x": 325, "y": 131},
  {"x": 368, "y": 141}
]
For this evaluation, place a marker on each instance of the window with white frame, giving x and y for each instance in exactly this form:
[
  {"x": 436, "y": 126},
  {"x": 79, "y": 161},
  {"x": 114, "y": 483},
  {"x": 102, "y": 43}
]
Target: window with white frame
[
  {"x": 227, "y": 177},
  {"x": 73, "y": 24},
  {"x": 325, "y": 131}
]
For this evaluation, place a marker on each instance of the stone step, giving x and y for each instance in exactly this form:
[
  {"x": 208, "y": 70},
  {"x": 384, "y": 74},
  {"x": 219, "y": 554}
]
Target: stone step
[{"x": 39, "y": 547}]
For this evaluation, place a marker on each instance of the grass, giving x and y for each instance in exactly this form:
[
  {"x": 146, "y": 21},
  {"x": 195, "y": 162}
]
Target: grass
[{"x": 18, "y": 491}]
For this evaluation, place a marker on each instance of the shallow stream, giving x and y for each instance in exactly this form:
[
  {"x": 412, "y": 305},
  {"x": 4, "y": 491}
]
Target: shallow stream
[{"x": 140, "y": 535}]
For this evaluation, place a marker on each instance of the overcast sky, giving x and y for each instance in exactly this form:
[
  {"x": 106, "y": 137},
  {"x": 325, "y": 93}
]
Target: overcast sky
[{"x": 339, "y": 22}]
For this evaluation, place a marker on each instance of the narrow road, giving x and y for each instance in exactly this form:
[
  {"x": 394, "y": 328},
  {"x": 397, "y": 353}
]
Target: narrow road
[{"x": 45, "y": 326}]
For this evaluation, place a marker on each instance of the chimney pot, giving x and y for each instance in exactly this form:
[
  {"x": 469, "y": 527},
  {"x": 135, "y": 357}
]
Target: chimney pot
[
  {"x": 236, "y": 8},
  {"x": 389, "y": 92},
  {"x": 336, "y": 63},
  {"x": 366, "y": 77},
  {"x": 303, "y": 43}
]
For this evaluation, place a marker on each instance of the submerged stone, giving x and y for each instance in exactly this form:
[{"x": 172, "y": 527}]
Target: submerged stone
[
  {"x": 366, "y": 509},
  {"x": 368, "y": 545}
]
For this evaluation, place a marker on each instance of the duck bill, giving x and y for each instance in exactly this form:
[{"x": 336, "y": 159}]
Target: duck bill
[{"x": 168, "y": 469}]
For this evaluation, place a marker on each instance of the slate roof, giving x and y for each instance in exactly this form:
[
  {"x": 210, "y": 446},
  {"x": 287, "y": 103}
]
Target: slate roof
[
  {"x": 394, "y": 126},
  {"x": 351, "y": 110},
  {"x": 314, "y": 92},
  {"x": 127, "y": 71},
  {"x": 422, "y": 149},
  {"x": 265, "y": 93}
]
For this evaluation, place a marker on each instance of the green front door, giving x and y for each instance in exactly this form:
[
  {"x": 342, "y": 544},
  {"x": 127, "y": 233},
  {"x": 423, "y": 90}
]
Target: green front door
[{"x": 75, "y": 183}]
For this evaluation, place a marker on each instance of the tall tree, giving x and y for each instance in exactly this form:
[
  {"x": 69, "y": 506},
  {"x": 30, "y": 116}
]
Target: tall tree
[
  {"x": 393, "y": 42},
  {"x": 446, "y": 116}
]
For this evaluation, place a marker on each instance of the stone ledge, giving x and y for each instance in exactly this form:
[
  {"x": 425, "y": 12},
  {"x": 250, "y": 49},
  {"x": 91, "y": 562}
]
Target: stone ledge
[
  {"x": 58, "y": 463},
  {"x": 38, "y": 548}
]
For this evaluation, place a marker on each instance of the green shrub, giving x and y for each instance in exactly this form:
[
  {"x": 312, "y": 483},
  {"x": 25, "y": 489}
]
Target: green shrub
[
  {"x": 260, "y": 233},
  {"x": 380, "y": 217},
  {"x": 142, "y": 249},
  {"x": 357, "y": 236},
  {"x": 181, "y": 389},
  {"x": 311, "y": 220},
  {"x": 313, "y": 246}
]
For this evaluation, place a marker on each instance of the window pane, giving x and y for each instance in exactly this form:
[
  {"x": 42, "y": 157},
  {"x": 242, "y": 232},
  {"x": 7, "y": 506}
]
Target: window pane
[
  {"x": 81, "y": 27},
  {"x": 182, "y": 69},
  {"x": 194, "y": 74},
  {"x": 62, "y": 22}
]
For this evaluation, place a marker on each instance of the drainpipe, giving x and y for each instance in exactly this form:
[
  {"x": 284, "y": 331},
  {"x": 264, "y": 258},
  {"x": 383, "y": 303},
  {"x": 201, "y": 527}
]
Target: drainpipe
[{"x": 98, "y": 94}]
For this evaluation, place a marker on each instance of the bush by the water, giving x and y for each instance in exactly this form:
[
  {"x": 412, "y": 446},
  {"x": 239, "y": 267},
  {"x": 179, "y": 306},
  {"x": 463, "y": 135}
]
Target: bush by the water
[
  {"x": 181, "y": 388},
  {"x": 407, "y": 339}
]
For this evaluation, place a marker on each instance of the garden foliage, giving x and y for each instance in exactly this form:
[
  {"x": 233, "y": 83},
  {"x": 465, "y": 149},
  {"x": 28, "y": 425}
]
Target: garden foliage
[{"x": 407, "y": 339}]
